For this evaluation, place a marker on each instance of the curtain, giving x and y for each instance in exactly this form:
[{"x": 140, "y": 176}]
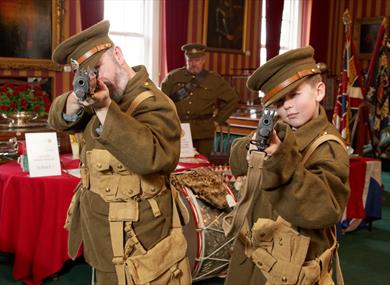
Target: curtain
[
  {"x": 274, "y": 12},
  {"x": 305, "y": 16},
  {"x": 91, "y": 12},
  {"x": 174, "y": 34}
]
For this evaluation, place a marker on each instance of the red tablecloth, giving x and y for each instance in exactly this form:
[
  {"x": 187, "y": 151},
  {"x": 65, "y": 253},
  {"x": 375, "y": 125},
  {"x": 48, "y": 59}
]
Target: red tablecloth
[{"x": 32, "y": 216}]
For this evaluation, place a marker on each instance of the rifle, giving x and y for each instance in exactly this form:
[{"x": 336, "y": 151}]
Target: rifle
[
  {"x": 264, "y": 129},
  {"x": 81, "y": 86}
]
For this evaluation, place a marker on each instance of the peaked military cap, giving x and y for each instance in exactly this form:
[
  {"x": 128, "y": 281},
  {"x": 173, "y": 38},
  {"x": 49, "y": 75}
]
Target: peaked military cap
[
  {"x": 193, "y": 50},
  {"x": 86, "y": 47},
  {"x": 283, "y": 73}
]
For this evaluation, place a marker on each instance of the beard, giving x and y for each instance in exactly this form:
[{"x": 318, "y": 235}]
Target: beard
[{"x": 118, "y": 85}]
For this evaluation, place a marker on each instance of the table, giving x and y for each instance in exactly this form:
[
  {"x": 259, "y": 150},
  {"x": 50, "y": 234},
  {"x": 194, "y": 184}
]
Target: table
[
  {"x": 32, "y": 216},
  {"x": 364, "y": 204},
  {"x": 33, "y": 213}
]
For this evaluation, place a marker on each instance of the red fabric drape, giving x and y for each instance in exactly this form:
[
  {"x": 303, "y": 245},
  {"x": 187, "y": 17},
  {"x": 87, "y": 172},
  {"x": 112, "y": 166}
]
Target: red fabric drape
[
  {"x": 91, "y": 12},
  {"x": 274, "y": 13},
  {"x": 306, "y": 8},
  {"x": 174, "y": 34}
]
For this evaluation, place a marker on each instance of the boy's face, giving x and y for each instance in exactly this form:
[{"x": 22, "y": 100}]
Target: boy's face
[{"x": 302, "y": 104}]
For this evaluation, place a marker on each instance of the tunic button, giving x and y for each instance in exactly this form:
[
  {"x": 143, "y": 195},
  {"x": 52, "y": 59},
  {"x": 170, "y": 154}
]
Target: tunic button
[
  {"x": 153, "y": 189},
  {"x": 284, "y": 279},
  {"x": 99, "y": 165},
  {"x": 120, "y": 166},
  {"x": 205, "y": 88},
  {"x": 189, "y": 102},
  {"x": 146, "y": 83},
  {"x": 191, "y": 93},
  {"x": 281, "y": 242},
  {"x": 188, "y": 112},
  {"x": 107, "y": 189},
  {"x": 193, "y": 76}
]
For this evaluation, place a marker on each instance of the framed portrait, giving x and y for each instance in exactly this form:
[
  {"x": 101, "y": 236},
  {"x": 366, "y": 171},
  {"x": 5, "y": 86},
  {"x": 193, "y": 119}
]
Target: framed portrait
[
  {"x": 31, "y": 29},
  {"x": 225, "y": 25},
  {"x": 366, "y": 32}
]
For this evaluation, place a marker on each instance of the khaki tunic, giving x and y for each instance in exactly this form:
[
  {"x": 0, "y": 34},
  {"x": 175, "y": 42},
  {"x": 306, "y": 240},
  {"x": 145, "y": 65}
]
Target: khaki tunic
[
  {"x": 311, "y": 197},
  {"x": 146, "y": 142},
  {"x": 214, "y": 99}
]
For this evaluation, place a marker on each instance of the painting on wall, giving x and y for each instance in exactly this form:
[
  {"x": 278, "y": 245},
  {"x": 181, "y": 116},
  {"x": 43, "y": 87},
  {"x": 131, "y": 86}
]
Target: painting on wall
[
  {"x": 366, "y": 32},
  {"x": 30, "y": 29},
  {"x": 225, "y": 25}
]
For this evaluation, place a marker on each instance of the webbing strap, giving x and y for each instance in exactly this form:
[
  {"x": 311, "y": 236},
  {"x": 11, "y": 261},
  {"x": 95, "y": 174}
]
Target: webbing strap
[
  {"x": 175, "y": 215},
  {"x": 323, "y": 138},
  {"x": 334, "y": 248},
  {"x": 233, "y": 222},
  {"x": 155, "y": 208},
  {"x": 141, "y": 97},
  {"x": 116, "y": 232}
]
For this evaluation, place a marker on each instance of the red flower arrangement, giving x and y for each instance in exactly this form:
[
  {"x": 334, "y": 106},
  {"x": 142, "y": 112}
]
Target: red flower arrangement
[{"x": 23, "y": 97}]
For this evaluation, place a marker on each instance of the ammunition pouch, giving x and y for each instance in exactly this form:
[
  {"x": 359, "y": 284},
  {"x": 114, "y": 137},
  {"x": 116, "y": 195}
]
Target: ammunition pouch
[
  {"x": 109, "y": 178},
  {"x": 279, "y": 251}
]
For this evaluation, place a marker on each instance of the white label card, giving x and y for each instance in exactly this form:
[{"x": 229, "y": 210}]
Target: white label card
[
  {"x": 186, "y": 146},
  {"x": 43, "y": 155}
]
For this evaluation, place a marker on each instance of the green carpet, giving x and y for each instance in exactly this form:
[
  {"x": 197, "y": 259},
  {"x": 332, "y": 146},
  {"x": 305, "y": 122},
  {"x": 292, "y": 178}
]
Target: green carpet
[{"x": 364, "y": 255}]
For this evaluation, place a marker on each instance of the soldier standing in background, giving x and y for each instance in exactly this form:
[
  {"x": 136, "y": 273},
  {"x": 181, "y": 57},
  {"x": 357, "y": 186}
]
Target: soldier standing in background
[{"x": 203, "y": 98}]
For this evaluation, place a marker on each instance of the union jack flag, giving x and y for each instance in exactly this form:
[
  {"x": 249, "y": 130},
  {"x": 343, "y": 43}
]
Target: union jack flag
[{"x": 349, "y": 93}]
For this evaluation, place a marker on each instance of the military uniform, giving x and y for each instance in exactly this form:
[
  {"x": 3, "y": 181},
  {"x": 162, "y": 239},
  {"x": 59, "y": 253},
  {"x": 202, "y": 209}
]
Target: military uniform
[
  {"x": 212, "y": 100},
  {"x": 124, "y": 163},
  {"x": 311, "y": 196}
]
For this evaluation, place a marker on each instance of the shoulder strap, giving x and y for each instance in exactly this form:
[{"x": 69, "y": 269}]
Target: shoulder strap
[
  {"x": 323, "y": 138},
  {"x": 140, "y": 98},
  {"x": 334, "y": 248}
]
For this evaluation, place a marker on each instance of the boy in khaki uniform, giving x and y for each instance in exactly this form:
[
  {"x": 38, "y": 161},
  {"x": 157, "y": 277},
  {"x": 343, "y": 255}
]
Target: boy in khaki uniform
[
  {"x": 122, "y": 211},
  {"x": 311, "y": 195},
  {"x": 203, "y": 98}
]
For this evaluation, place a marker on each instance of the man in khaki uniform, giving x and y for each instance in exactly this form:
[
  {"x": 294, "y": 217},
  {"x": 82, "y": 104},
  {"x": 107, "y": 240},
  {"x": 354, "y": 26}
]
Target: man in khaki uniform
[
  {"x": 203, "y": 98},
  {"x": 308, "y": 192},
  {"x": 122, "y": 211}
]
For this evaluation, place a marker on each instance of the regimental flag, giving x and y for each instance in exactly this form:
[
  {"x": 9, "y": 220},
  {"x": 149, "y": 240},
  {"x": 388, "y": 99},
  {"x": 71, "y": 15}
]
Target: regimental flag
[
  {"x": 350, "y": 92},
  {"x": 379, "y": 89},
  {"x": 341, "y": 113}
]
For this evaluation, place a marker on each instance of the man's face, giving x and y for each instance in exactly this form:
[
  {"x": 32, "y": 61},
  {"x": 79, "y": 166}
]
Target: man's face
[
  {"x": 301, "y": 105},
  {"x": 111, "y": 73},
  {"x": 195, "y": 65}
]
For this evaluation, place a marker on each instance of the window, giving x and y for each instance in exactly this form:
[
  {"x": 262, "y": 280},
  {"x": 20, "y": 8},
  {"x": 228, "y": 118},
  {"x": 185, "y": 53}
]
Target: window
[
  {"x": 291, "y": 20},
  {"x": 135, "y": 29}
]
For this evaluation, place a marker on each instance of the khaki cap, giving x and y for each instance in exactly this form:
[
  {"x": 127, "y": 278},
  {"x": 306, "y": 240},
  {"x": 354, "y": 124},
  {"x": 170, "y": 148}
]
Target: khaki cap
[
  {"x": 85, "y": 47},
  {"x": 193, "y": 50},
  {"x": 283, "y": 73}
]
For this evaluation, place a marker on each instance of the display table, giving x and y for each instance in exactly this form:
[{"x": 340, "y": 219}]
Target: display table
[
  {"x": 33, "y": 213},
  {"x": 364, "y": 204},
  {"x": 32, "y": 217}
]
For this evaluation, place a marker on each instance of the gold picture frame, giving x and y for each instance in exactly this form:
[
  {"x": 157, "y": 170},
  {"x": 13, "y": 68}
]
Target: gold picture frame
[
  {"x": 32, "y": 29},
  {"x": 365, "y": 33},
  {"x": 224, "y": 25}
]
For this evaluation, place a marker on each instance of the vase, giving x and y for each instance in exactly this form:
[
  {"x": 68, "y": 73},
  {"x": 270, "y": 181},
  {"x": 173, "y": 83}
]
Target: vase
[{"x": 19, "y": 119}]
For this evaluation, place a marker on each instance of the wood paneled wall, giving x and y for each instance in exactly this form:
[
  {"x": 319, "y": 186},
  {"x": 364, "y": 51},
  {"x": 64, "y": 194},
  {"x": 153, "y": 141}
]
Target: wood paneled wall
[
  {"x": 222, "y": 62},
  {"x": 61, "y": 81}
]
